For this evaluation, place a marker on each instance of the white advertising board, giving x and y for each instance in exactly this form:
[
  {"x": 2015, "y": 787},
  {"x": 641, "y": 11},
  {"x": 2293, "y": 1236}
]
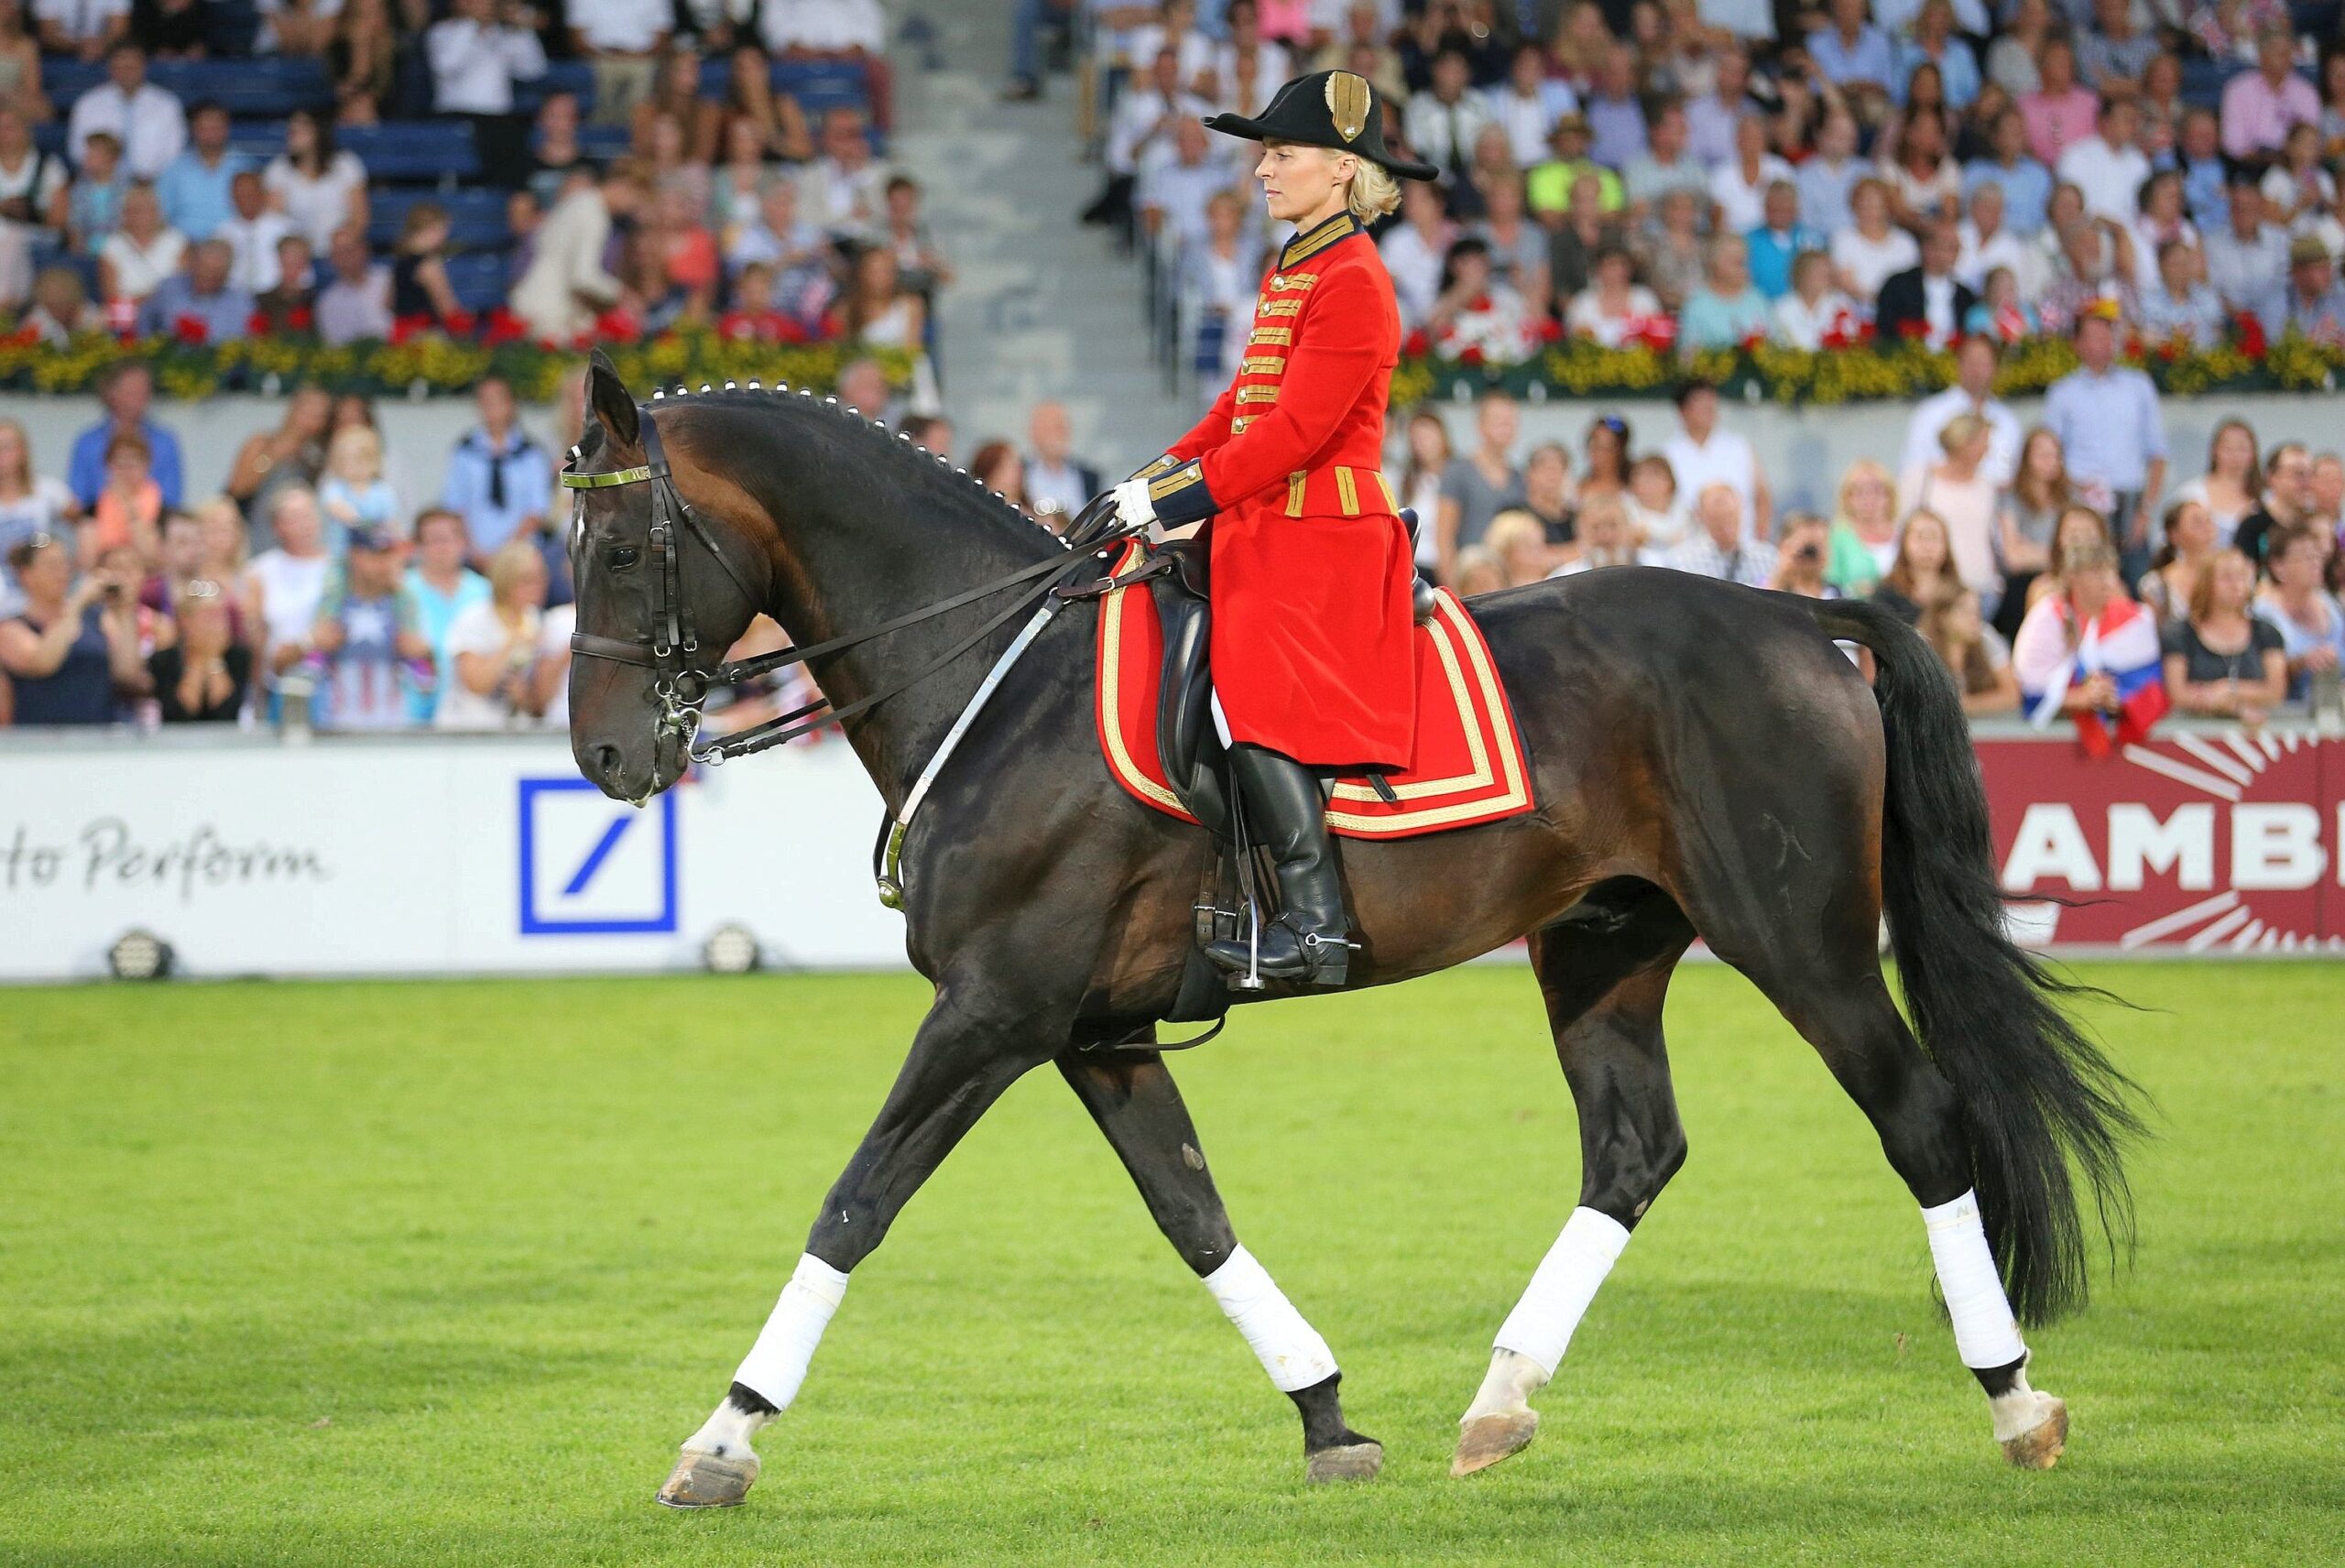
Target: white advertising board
[{"x": 425, "y": 856}]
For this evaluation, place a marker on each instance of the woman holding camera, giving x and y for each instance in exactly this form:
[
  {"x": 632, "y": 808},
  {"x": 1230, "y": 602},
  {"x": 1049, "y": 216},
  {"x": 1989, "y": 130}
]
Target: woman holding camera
[{"x": 74, "y": 647}]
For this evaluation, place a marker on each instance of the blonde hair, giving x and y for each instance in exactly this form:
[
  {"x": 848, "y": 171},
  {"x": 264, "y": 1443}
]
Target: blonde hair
[
  {"x": 1374, "y": 193},
  {"x": 509, "y": 565}
]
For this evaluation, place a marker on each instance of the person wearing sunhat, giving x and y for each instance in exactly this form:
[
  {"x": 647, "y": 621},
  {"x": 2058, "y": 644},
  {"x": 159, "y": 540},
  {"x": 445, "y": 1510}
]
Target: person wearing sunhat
[
  {"x": 2315, "y": 299},
  {"x": 1311, "y": 569}
]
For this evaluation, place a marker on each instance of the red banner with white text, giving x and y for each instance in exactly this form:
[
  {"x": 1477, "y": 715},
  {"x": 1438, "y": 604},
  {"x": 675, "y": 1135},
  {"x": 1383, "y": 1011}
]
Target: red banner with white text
[{"x": 2216, "y": 842}]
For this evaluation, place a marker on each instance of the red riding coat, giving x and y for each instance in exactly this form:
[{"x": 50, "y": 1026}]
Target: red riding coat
[{"x": 1310, "y": 570}]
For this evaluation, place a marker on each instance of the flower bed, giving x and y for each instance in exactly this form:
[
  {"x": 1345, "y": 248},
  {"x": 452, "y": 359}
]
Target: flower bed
[
  {"x": 425, "y": 365},
  {"x": 1867, "y": 372}
]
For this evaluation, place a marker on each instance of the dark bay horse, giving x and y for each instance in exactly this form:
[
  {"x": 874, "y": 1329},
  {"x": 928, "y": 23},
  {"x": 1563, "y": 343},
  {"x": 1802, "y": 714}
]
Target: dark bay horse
[{"x": 1706, "y": 762}]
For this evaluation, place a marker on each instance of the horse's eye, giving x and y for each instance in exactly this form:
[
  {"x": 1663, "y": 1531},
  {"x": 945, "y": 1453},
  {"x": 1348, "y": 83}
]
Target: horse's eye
[{"x": 624, "y": 557}]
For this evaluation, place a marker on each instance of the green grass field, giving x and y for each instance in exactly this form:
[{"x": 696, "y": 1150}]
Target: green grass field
[{"x": 441, "y": 1273}]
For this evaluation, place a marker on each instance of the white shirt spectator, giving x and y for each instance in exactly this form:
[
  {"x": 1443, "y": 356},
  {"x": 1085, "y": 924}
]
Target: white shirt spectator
[
  {"x": 621, "y": 26},
  {"x": 2002, "y": 248},
  {"x": 138, "y": 271},
  {"x": 81, "y": 20},
  {"x": 349, "y": 311},
  {"x": 477, "y": 629},
  {"x": 1584, "y": 317},
  {"x": 565, "y": 285},
  {"x": 1742, "y": 204},
  {"x": 1191, "y": 49},
  {"x": 474, "y": 68},
  {"x": 823, "y": 26},
  {"x": 1180, "y": 191},
  {"x": 35, "y": 180},
  {"x": 1416, "y": 267},
  {"x": 291, "y": 589},
  {"x": 1796, "y": 323},
  {"x": 1272, "y": 67},
  {"x": 1932, "y": 414},
  {"x": 1444, "y": 134},
  {"x": 1724, "y": 459},
  {"x": 1527, "y": 121},
  {"x": 265, "y": 43},
  {"x": 1869, "y": 263},
  {"x": 149, "y": 124},
  {"x": 2110, "y": 177},
  {"x": 317, "y": 207},
  {"x": 252, "y": 243},
  {"x": 1142, "y": 118}
]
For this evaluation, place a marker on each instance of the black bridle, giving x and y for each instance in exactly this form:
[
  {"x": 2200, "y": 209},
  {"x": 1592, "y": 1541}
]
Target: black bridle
[{"x": 671, "y": 648}]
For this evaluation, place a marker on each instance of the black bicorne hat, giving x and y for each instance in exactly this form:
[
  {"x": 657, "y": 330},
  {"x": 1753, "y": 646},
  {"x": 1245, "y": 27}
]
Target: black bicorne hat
[{"x": 1336, "y": 109}]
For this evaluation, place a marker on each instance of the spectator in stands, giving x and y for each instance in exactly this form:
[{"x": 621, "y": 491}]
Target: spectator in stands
[
  {"x": 1852, "y": 54},
  {"x": 2315, "y": 299},
  {"x": 1987, "y": 245},
  {"x": 1607, "y": 538},
  {"x": 1518, "y": 247},
  {"x": 201, "y": 304},
  {"x": 2165, "y": 218},
  {"x": 622, "y": 40},
  {"x": 1777, "y": 240},
  {"x": 852, "y": 31},
  {"x": 1613, "y": 310},
  {"x": 2107, "y": 167},
  {"x": 138, "y": 255},
  {"x": 1057, "y": 482},
  {"x": 1713, "y": 112},
  {"x": 2287, "y": 500},
  {"x": 475, "y": 56},
  {"x": 59, "y": 309},
  {"x": 1615, "y": 117},
  {"x": 2120, "y": 677},
  {"x": 929, "y": 432},
  {"x": 195, "y": 188},
  {"x": 1973, "y": 652},
  {"x": 252, "y": 234},
  {"x": 288, "y": 583},
  {"x": 2309, "y": 619},
  {"x": 845, "y": 191},
  {"x": 2113, "y": 54},
  {"x": 204, "y": 676},
  {"x": 2026, "y": 184},
  {"x": 21, "y": 77},
  {"x": 1518, "y": 544},
  {"x": 2328, "y": 502},
  {"x": 499, "y": 479},
  {"x": 1702, "y": 454},
  {"x": 179, "y": 561},
  {"x": 357, "y": 304},
  {"x": 1550, "y": 185},
  {"x": 1248, "y": 69},
  {"x": 1866, "y": 254},
  {"x": 354, "y": 494},
  {"x": 1977, "y": 360},
  {"x": 1655, "y": 510},
  {"x": 2172, "y": 577},
  {"x": 780, "y": 124},
  {"x": 496, "y": 648},
  {"x": 297, "y": 28},
  {"x": 84, "y": 29},
  {"x": 2182, "y": 307},
  {"x": 863, "y": 388},
  {"x": 997, "y": 465},
  {"x": 1486, "y": 484},
  {"x": 33, "y": 184},
  {"x": 2262, "y": 106},
  {"x": 294, "y": 453},
  {"x": 2061, "y": 111},
  {"x": 2229, "y": 488},
  {"x": 1550, "y": 500},
  {"x": 93, "y": 204},
  {"x": 2110, "y": 427},
  {"x": 2297, "y": 190},
  {"x": 796, "y": 251},
  {"x": 1147, "y": 115},
  {"x": 143, "y": 119},
  {"x": 128, "y": 511},
  {"x": 171, "y": 30},
  {"x": 1727, "y": 309},
  {"x": 2248, "y": 259},
  {"x": 1926, "y": 302},
  {"x": 320, "y": 189},
  {"x": 73, "y": 648},
  {"x": 1665, "y": 165},
  {"x": 1922, "y": 572},
  {"x": 126, "y": 388},
  {"x": 1673, "y": 253},
  {"x": 735, "y": 185},
  {"x": 363, "y": 61},
  {"x": 555, "y": 148},
  {"x": 1828, "y": 177},
  {"x": 1443, "y": 122},
  {"x": 30, "y": 505},
  {"x": 1799, "y": 559},
  {"x": 1476, "y": 314},
  {"x": 442, "y": 588},
  {"x": 1813, "y": 310},
  {"x": 2198, "y": 156},
  {"x": 291, "y": 308},
  {"x": 875, "y": 311},
  {"x": 420, "y": 292},
  {"x": 1923, "y": 180},
  {"x": 1174, "y": 183},
  {"x": 1862, "y": 543},
  {"x": 1526, "y": 106},
  {"x": 1606, "y": 447},
  {"x": 566, "y": 287},
  {"x": 2224, "y": 661},
  {"x": 1716, "y": 547},
  {"x": 1584, "y": 233},
  {"x": 367, "y": 640},
  {"x": 1414, "y": 250},
  {"x": 1956, "y": 490}
]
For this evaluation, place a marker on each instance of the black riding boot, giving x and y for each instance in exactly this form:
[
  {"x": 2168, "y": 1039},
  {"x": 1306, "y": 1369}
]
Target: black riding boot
[{"x": 1288, "y": 817}]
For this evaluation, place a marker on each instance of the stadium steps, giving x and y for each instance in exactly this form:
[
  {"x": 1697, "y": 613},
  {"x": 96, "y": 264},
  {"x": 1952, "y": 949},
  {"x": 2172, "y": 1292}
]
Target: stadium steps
[{"x": 1041, "y": 307}]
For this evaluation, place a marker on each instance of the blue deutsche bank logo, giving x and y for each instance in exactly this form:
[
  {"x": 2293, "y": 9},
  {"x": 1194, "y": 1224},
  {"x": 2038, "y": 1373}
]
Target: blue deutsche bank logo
[{"x": 591, "y": 865}]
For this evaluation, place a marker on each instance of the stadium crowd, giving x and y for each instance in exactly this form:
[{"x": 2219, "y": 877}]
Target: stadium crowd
[
  {"x": 354, "y": 170},
  {"x": 1710, "y": 173}
]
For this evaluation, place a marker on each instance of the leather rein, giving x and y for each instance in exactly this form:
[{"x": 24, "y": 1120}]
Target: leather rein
[{"x": 671, "y": 648}]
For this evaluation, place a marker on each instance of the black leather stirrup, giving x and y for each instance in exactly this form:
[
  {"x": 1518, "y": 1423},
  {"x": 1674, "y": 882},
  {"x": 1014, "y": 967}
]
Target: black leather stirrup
[{"x": 1309, "y": 939}]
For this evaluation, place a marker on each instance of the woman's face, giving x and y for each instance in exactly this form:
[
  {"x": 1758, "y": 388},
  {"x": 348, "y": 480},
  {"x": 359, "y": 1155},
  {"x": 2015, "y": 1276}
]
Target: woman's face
[
  {"x": 12, "y": 450},
  {"x": 1973, "y": 453},
  {"x": 2234, "y": 582},
  {"x": 1869, "y": 500},
  {"x": 309, "y": 413},
  {"x": 2166, "y": 199},
  {"x": 743, "y": 144},
  {"x": 221, "y": 539},
  {"x": 296, "y": 520},
  {"x": 2078, "y": 532},
  {"x": 440, "y": 546},
  {"x": 2092, "y": 587},
  {"x": 351, "y": 409},
  {"x": 47, "y": 574},
  {"x": 529, "y": 585},
  {"x": 1962, "y": 618},
  {"x": 2042, "y": 460},
  {"x": 2066, "y": 206},
  {"x": 301, "y": 136},
  {"x": 1428, "y": 441},
  {"x": 1870, "y": 207},
  {"x": 2193, "y": 532},
  {"x": 1926, "y": 543},
  {"x": 2298, "y": 567},
  {"x": 1604, "y": 453},
  {"x": 2235, "y": 450}
]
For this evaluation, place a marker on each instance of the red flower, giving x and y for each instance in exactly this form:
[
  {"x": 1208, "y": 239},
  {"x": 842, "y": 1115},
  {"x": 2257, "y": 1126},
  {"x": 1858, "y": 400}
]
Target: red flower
[
  {"x": 2252, "y": 341},
  {"x": 191, "y": 331},
  {"x": 1415, "y": 342},
  {"x": 407, "y": 329},
  {"x": 1471, "y": 354},
  {"x": 257, "y": 323},
  {"x": 504, "y": 327},
  {"x": 23, "y": 337},
  {"x": 1550, "y": 330},
  {"x": 618, "y": 325},
  {"x": 1753, "y": 340},
  {"x": 460, "y": 322},
  {"x": 300, "y": 319}
]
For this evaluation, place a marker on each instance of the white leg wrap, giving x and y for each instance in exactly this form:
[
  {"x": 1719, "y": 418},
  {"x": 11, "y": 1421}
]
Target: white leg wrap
[
  {"x": 1290, "y": 1349},
  {"x": 1985, "y": 1333},
  {"x": 1541, "y": 1326},
  {"x": 776, "y": 1364}
]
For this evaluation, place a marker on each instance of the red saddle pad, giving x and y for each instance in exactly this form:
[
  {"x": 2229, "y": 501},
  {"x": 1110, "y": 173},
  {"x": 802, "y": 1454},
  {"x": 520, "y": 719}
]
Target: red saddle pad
[{"x": 1467, "y": 767}]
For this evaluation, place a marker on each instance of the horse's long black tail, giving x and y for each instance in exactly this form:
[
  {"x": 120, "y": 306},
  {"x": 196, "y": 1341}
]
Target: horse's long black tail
[{"x": 2041, "y": 1101}]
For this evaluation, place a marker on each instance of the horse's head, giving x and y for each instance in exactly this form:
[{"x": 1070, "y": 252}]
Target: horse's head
[{"x": 663, "y": 589}]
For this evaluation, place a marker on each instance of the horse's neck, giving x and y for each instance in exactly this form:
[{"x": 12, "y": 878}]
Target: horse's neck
[{"x": 895, "y": 554}]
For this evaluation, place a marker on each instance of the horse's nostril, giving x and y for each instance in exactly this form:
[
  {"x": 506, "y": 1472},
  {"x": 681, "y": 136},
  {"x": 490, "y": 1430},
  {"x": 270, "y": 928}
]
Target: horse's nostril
[{"x": 606, "y": 761}]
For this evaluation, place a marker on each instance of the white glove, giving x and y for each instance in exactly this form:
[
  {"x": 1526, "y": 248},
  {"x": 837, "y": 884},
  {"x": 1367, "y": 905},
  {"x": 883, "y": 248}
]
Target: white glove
[{"x": 1134, "y": 510}]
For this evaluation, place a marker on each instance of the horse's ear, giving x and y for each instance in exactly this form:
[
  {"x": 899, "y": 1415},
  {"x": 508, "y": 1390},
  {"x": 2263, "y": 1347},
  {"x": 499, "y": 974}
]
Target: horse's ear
[{"x": 610, "y": 403}]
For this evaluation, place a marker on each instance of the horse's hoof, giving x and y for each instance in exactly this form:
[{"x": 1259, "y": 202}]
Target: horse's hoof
[
  {"x": 1483, "y": 1441},
  {"x": 1352, "y": 1461},
  {"x": 703, "y": 1480},
  {"x": 2039, "y": 1447}
]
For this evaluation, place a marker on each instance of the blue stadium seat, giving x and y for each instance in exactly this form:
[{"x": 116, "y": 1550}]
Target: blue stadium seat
[
  {"x": 603, "y": 143},
  {"x": 257, "y": 140},
  {"x": 414, "y": 149},
  {"x": 561, "y": 76},
  {"x": 262, "y": 88},
  {"x": 475, "y": 218},
  {"x": 479, "y": 278}
]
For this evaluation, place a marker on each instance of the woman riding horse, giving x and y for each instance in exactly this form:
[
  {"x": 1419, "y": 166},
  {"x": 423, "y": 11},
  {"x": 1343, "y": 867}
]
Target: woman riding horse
[{"x": 1313, "y": 665}]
